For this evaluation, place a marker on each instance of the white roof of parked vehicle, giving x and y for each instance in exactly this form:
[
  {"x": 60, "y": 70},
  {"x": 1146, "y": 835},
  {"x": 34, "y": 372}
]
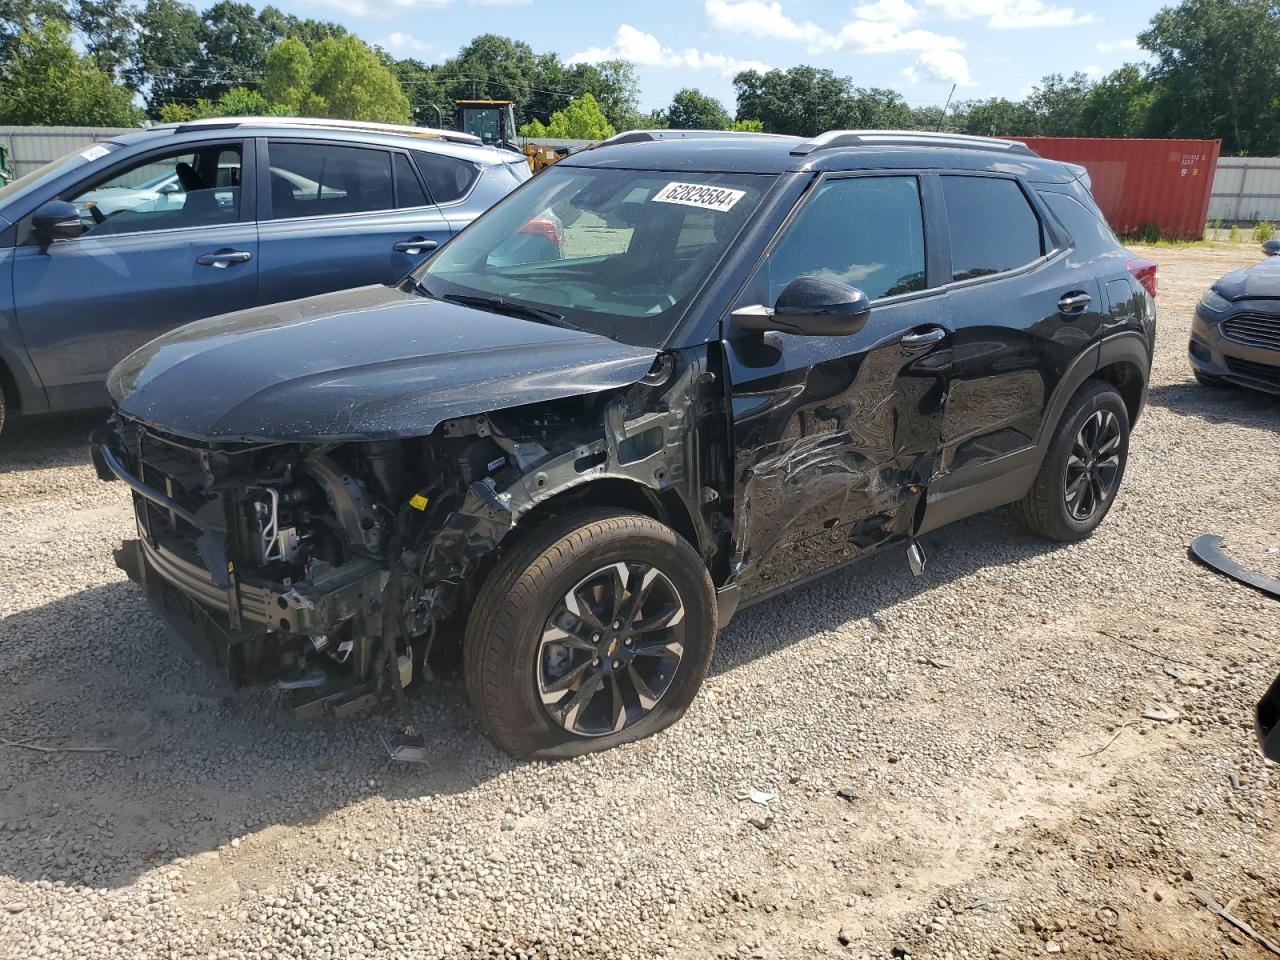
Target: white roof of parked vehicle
[{"x": 426, "y": 133}]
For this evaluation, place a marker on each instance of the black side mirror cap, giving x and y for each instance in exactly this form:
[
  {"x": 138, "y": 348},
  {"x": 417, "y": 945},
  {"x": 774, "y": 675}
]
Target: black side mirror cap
[
  {"x": 810, "y": 306},
  {"x": 1271, "y": 247},
  {"x": 57, "y": 220}
]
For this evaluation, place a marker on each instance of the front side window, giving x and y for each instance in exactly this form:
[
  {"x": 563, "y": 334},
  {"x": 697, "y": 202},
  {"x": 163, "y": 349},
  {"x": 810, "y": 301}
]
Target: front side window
[
  {"x": 865, "y": 232},
  {"x": 321, "y": 180},
  {"x": 193, "y": 188},
  {"x": 993, "y": 228},
  {"x": 616, "y": 252}
]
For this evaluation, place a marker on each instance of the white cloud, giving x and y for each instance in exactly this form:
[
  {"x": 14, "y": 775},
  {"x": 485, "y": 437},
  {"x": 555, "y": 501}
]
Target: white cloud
[
  {"x": 1105, "y": 47},
  {"x": 870, "y": 32},
  {"x": 1092, "y": 71},
  {"x": 940, "y": 66},
  {"x": 1007, "y": 14},
  {"x": 645, "y": 50},
  {"x": 401, "y": 43},
  {"x": 889, "y": 11}
]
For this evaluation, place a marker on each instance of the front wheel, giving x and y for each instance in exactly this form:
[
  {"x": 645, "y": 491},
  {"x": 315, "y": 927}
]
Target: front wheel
[
  {"x": 1083, "y": 467},
  {"x": 595, "y": 631}
]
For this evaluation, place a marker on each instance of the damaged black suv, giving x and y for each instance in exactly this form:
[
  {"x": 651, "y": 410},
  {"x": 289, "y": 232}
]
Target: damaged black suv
[{"x": 661, "y": 380}]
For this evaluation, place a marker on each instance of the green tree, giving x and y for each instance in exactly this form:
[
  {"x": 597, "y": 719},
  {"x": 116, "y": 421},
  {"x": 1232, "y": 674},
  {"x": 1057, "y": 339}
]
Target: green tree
[
  {"x": 280, "y": 25},
  {"x": 582, "y": 119},
  {"x": 1057, "y": 103},
  {"x": 107, "y": 31},
  {"x": 288, "y": 74},
  {"x": 47, "y": 82},
  {"x": 996, "y": 117},
  {"x": 691, "y": 109},
  {"x": 803, "y": 101},
  {"x": 236, "y": 102},
  {"x": 1215, "y": 66},
  {"x": 746, "y": 126},
  {"x": 167, "y": 59},
  {"x": 348, "y": 80},
  {"x": 24, "y": 16},
  {"x": 234, "y": 43},
  {"x": 1119, "y": 105}
]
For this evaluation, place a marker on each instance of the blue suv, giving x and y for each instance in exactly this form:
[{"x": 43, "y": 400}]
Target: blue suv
[{"x": 115, "y": 244}]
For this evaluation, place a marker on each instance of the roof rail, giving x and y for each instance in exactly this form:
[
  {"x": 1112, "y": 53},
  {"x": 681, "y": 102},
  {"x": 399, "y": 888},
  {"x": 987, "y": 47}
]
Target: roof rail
[
  {"x": 909, "y": 138},
  {"x": 219, "y": 123},
  {"x": 664, "y": 133}
]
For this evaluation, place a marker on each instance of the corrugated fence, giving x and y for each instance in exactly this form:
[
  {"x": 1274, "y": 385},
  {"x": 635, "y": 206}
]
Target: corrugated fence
[
  {"x": 32, "y": 147},
  {"x": 1246, "y": 189}
]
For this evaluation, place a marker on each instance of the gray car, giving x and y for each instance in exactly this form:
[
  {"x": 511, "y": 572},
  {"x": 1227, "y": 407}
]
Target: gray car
[{"x": 124, "y": 240}]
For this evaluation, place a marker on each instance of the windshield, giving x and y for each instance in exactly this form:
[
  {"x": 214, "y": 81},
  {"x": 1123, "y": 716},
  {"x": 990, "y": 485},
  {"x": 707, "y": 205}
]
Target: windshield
[
  {"x": 615, "y": 252},
  {"x": 15, "y": 189}
]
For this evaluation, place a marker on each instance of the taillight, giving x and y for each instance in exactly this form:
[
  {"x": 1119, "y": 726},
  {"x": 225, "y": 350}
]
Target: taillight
[
  {"x": 1147, "y": 273},
  {"x": 542, "y": 227}
]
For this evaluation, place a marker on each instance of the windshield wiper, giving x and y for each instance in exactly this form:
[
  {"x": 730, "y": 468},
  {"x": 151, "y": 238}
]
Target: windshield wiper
[{"x": 510, "y": 308}]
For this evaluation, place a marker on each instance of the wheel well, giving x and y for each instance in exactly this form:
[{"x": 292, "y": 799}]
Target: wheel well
[
  {"x": 9, "y": 388},
  {"x": 1128, "y": 381},
  {"x": 666, "y": 508}
]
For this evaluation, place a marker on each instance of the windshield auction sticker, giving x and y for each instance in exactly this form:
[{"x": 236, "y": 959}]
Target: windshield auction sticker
[
  {"x": 699, "y": 195},
  {"x": 94, "y": 152}
]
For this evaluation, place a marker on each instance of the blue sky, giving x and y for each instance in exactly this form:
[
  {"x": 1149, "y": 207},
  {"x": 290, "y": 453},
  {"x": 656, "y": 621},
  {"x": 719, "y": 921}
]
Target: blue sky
[{"x": 919, "y": 47}]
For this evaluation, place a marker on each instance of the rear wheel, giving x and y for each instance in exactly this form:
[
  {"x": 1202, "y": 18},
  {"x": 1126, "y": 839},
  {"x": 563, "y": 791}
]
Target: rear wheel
[
  {"x": 1083, "y": 467},
  {"x": 596, "y": 631},
  {"x": 2, "y": 411}
]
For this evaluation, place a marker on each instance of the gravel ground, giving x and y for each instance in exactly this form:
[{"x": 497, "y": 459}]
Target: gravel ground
[{"x": 960, "y": 763}]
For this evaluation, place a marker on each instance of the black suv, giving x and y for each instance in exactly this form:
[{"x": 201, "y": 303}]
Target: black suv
[{"x": 739, "y": 362}]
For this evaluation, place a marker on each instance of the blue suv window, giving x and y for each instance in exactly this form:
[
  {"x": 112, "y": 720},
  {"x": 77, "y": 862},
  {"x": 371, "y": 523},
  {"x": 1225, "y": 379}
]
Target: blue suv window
[
  {"x": 321, "y": 180},
  {"x": 867, "y": 232},
  {"x": 190, "y": 188},
  {"x": 993, "y": 228},
  {"x": 448, "y": 178}
]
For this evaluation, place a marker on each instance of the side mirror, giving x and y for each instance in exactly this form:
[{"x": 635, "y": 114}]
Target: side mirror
[
  {"x": 56, "y": 220},
  {"x": 810, "y": 306},
  {"x": 1271, "y": 248}
]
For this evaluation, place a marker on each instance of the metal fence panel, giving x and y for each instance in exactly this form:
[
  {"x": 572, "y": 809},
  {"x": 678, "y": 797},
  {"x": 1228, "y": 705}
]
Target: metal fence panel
[
  {"x": 32, "y": 147},
  {"x": 1246, "y": 189}
]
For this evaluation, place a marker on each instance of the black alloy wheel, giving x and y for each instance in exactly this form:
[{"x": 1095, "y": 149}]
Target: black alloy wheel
[
  {"x": 1093, "y": 465},
  {"x": 611, "y": 649}
]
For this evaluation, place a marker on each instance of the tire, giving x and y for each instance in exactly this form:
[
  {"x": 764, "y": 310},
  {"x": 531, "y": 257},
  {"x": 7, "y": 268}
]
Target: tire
[
  {"x": 1206, "y": 380},
  {"x": 1047, "y": 510},
  {"x": 2, "y": 411},
  {"x": 514, "y": 655}
]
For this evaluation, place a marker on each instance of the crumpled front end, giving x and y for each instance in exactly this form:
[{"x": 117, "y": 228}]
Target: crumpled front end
[{"x": 331, "y": 567}]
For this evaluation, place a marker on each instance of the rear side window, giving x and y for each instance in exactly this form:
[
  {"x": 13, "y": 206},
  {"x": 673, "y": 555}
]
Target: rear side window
[
  {"x": 320, "y": 180},
  {"x": 409, "y": 192},
  {"x": 448, "y": 178},
  {"x": 993, "y": 227},
  {"x": 1090, "y": 235},
  {"x": 867, "y": 232}
]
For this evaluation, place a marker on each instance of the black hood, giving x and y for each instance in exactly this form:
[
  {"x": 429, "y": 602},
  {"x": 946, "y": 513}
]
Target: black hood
[
  {"x": 366, "y": 364},
  {"x": 1262, "y": 280}
]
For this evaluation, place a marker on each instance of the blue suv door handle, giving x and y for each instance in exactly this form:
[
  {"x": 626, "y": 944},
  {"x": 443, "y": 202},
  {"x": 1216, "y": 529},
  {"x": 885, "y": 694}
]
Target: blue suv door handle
[
  {"x": 415, "y": 245},
  {"x": 918, "y": 340},
  {"x": 224, "y": 258}
]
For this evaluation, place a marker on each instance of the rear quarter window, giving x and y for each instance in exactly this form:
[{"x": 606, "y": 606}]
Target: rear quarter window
[
  {"x": 992, "y": 225},
  {"x": 1089, "y": 235},
  {"x": 448, "y": 178}
]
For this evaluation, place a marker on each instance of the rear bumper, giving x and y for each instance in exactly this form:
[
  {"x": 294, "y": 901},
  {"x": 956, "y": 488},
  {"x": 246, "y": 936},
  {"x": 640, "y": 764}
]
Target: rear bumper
[
  {"x": 1217, "y": 356},
  {"x": 1266, "y": 722}
]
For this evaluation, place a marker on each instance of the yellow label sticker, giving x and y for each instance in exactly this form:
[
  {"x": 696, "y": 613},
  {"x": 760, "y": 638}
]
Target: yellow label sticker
[{"x": 418, "y": 502}]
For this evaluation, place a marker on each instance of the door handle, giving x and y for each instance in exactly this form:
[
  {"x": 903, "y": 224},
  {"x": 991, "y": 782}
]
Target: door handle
[
  {"x": 415, "y": 245},
  {"x": 1074, "y": 302},
  {"x": 919, "y": 340},
  {"x": 224, "y": 258}
]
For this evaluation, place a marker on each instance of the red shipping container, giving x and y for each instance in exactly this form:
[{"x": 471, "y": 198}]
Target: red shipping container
[{"x": 1136, "y": 182}]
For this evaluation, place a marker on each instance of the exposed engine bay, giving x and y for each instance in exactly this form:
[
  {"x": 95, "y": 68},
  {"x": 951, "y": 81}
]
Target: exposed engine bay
[{"x": 333, "y": 568}]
